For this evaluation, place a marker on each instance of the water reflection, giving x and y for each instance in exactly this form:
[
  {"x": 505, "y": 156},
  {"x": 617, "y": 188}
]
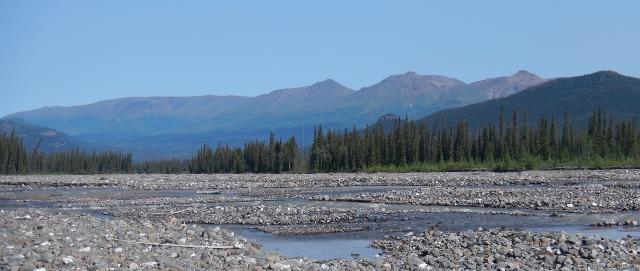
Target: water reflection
[{"x": 347, "y": 246}]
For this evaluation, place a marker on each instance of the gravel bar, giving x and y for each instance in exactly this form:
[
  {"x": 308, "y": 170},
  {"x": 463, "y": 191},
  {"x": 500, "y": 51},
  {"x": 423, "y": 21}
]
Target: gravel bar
[
  {"x": 617, "y": 178},
  {"x": 153, "y": 227}
]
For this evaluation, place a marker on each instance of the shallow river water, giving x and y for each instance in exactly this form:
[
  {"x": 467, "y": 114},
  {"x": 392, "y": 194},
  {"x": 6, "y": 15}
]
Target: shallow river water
[{"x": 348, "y": 245}]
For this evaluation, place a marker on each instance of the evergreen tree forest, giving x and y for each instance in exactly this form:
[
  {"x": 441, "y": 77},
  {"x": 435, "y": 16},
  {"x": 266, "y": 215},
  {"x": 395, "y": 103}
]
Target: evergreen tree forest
[
  {"x": 256, "y": 157},
  {"x": 15, "y": 159},
  {"x": 513, "y": 143}
]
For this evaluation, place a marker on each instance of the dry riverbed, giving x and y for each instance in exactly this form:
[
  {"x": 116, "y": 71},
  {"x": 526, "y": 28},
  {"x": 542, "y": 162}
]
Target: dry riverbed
[{"x": 432, "y": 220}]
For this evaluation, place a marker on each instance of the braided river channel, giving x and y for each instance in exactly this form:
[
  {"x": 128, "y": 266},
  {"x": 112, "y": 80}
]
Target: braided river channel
[{"x": 331, "y": 216}]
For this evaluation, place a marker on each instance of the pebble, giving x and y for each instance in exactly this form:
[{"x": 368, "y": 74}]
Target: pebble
[
  {"x": 622, "y": 178},
  {"x": 526, "y": 256},
  {"x": 36, "y": 239}
]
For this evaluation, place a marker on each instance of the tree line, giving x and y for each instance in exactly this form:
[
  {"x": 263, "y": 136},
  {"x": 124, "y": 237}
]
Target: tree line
[
  {"x": 15, "y": 159},
  {"x": 512, "y": 143},
  {"x": 257, "y": 157},
  {"x": 275, "y": 156}
]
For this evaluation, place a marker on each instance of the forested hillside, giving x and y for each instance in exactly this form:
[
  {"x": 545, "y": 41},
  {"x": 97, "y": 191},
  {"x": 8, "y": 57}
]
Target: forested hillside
[
  {"x": 511, "y": 144},
  {"x": 15, "y": 159},
  {"x": 45, "y": 138},
  {"x": 579, "y": 96}
]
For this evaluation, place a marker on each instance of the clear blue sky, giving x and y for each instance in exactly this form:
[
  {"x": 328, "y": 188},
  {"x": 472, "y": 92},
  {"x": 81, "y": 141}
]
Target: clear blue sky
[{"x": 62, "y": 53}]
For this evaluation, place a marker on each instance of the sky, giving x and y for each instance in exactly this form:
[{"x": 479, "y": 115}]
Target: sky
[{"x": 65, "y": 53}]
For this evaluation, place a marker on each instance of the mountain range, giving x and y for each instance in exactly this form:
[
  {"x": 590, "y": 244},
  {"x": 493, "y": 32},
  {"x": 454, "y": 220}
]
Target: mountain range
[{"x": 175, "y": 127}]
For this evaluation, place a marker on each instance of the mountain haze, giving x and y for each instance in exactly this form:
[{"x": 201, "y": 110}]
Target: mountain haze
[
  {"x": 167, "y": 127},
  {"x": 321, "y": 92},
  {"x": 32, "y": 135}
]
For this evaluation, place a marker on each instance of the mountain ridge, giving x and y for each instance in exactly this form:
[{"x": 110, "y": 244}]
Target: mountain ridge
[
  {"x": 324, "y": 91},
  {"x": 234, "y": 119}
]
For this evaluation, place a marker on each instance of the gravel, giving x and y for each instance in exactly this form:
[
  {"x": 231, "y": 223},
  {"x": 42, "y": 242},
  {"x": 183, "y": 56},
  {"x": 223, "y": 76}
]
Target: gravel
[
  {"x": 614, "y": 178},
  {"x": 149, "y": 229},
  {"x": 505, "y": 249},
  {"x": 583, "y": 199},
  {"x": 37, "y": 239},
  {"x": 34, "y": 239}
]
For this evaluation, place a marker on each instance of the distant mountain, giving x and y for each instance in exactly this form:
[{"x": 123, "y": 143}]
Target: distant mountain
[
  {"x": 50, "y": 139},
  {"x": 505, "y": 86},
  {"x": 322, "y": 92},
  {"x": 578, "y": 96},
  {"x": 167, "y": 127}
]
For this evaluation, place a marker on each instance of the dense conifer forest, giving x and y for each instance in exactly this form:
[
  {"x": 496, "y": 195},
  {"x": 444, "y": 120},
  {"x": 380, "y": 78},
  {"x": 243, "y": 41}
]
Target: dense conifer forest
[
  {"x": 15, "y": 159},
  {"x": 513, "y": 143},
  {"x": 256, "y": 157}
]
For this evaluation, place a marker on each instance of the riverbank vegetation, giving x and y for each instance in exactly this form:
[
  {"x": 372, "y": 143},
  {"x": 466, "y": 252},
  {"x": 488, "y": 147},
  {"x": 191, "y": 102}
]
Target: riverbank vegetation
[
  {"x": 514, "y": 143},
  {"x": 15, "y": 159}
]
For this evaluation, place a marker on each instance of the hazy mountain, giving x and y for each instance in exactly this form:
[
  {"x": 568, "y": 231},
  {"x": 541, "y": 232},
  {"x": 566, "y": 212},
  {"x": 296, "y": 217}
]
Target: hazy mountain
[
  {"x": 165, "y": 127},
  {"x": 321, "y": 92},
  {"x": 50, "y": 139},
  {"x": 504, "y": 86},
  {"x": 578, "y": 96}
]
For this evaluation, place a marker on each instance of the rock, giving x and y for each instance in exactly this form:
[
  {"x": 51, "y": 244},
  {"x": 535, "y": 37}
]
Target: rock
[
  {"x": 164, "y": 220},
  {"x": 517, "y": 252},
  {"x": 560, "y": 259},
  {"x": 457, "y": 252},
  {"x": 568, "y": 261},
  {"x": 572, "y": 239},
  {"x": 562, "y": 238},
  {"x": 148, "y": 264},
  {"x": 549, "y": 260},
  {"x": 16, "y": 258},
  {"x": 594, "y": 254},
  {"x": 259, "y": 255},
  {"x": 563, "y": 247}
]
